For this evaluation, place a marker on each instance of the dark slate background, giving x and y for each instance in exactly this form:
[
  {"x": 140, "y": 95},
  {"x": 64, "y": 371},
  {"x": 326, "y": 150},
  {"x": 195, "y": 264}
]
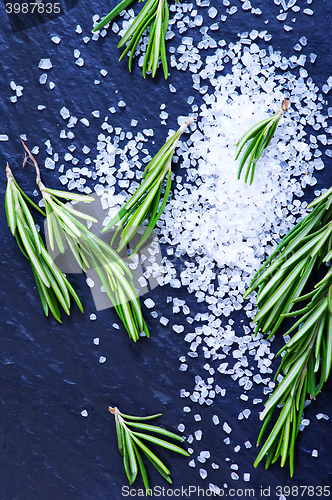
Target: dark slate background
[{"x": 50, "y": 372}]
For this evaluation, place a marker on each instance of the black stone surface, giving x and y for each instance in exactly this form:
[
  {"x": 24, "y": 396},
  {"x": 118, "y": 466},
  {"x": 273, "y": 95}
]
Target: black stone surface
[{"x": 50, "y": 372}]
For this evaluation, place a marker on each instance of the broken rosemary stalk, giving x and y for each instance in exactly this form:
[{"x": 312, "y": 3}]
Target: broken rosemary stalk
[
  {"x": 308, "y": 352},
  {"x": 282, "y": 277},
  {"x": 131, "y": 445},
  {"x": 145, "y": 202},
  {"x": 53, "y": 286},
  {"x": 260, "y": 137},
  {"x": 64, "y": 229},
  {"x": 154, "y": 16},
  {"x": 307, "y": 358}
]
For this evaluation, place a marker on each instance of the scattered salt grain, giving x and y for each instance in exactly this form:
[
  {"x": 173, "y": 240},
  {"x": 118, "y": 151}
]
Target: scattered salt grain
[
  {"x": 164, "y": 321},
  {"x": 93, "y": 317},
  {"x": 198, "y": 435},
  {"x": 96, "y": 340},
  {"x": 178, "y": 328},
  {"x": 56, "y": 39},
  {"x": 314, "y": 453},
  {"x": 227, "y": 428},
  {"x": 78, "y": 29},
  {"x": 149, "y": 303},
  {"x": 181, "y": 427},
  {"x": 84, "y": 413},
  {"x": 215, "y": 419},
  {"x": 4, "y": 137},
  {"x": 43, "y": 78},
  {"x": 45, "y": 64},
  {"x": 203, "y": 473},
  {"x": 79, "y": 61},
  {"x": 102, "y": 359}
]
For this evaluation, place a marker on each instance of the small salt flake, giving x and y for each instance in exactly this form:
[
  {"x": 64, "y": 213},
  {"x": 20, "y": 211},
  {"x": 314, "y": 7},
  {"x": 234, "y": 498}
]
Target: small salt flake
[
  {"x": 178, "y": 328},
  {"x": 237, "y": 448},
  {"x": 93, "y": 317},
  {"x": 90, "y": 282},
  {"x": 192, "y": 463},
  {"x": 187, "y": 409},
  {"x": 79, "y": 29},
  {"x": 197, "y": 417},
  {"x": 102, "y": 359},
  {"x": 248, "y": 444},
  {"x": 181, "y": 427},
  {"x": 103, "y": 72},
  {"x": 49, "y": 163},
  {"x": 214, "y": 466},
  {"x": 56, "y": 39},
  {"x": 13, "y": 98},
  {"x": 203, "y": 473},
  {"x": 116, "y": 326},
  {"x": 96, "y": 341},
  {"x": 314, "y": 453},
  {"x": 246, "y": 476},
  {"x": 212, "y": 12},
  {"x": 51, "y": 85},
  {"x": 121, "y": 104},
  {"x": 77, "y": 53},
  {"x": 86, "y": 39},
  {"x": 234, "y": 476},
  {"x": 43, "y": 78},
  {"x": 227, "y": 440},
  {"x": 149, "y": 303},
  {"x": 172, "y": 88},
  {"x": 308, "y": 12},
  {"x": 84, "y": 413},
  {"x": 64, "y": 112},
  {"x": 227, "y": 428},
  {"x": 79, "y": 61},
  {"x": 134, "y": 123},
  {"x": 215, "y": 419},
  {"x": 85, "y": 122},
  {"x": 4, "y": 137},
  {"x": 164, "y": 321},
  {"x": 198, "y": 435},
  {"x": 45, "y": 64}
]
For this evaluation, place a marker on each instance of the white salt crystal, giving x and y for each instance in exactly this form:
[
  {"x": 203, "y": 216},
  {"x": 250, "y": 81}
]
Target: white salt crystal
[
  {"x": 56, "y": 39},
  {"x": 203, "y": 473},
  {"x": 234, "y": 476},
  {"x": 212, "y": 12},
  {"x": 116, "y": 326},
  {"x": 49, "y": 163},
  {"x": 246, "y": 476},
  {"x": 85, "y": 122},
  {"x": 198, "y": 435},
  {"x": 93, "y": 317},
  {"x": 227, "y": 428},
  {"x": 78, "y": 29},
  {"x": 197, "y": 417},
  {"x": 149, "y": 303},
  {"x": 45, "y": 64},
  {"x": 4, "y": 137},
  {"x": 84, "y": 413},
  {"x": 314, "y": 453},
  {"x": 102, "y": 359},
  {"x": 248, "y": 444},
  {"x": 103, "y": 72},
  {"x": 121, "y": 104},
  {"x": 309, "y": 12},
  {"x": 215, "y": 419},
  {"x": 178, "y": 328},
  {"x": 77, "y": 53},
  {"x": 172, "y": 88},
  {"x": 51, "y": 85},
  {"x": 164, "y": 321},
  {"x": 90, "y": 282},
  {"x": 192, "y": 463},
  {"x": 64, "y": 112},
  {"x": 43, "y": 78},
  {"x": 79, "y": 61},
  {"x": 96, "y": 340},
  {"x": 181, "y": 427}
]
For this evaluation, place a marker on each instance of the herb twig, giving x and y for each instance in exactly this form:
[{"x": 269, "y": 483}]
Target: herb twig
[
  {"x": 53, "y": 286},
  {"x": 64, "y": 229},
  {"x": 154, "y": 16},
  {"x": 260, "y": 137},
  {"x": 131, "y": 445},
  {"x": 307, "y": 356},
  {"x": 145, "y": 202}
]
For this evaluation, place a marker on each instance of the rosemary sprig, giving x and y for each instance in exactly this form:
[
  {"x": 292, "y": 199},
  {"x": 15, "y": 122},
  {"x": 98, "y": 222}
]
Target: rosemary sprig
[
  {"x": 259, "y": 136},
  {"x": 308, "y": 352},
  {"x": 155, "y": 16},
  {"x": 53, "y": 286},
  {"x": 63, "y": 227},
  {"x": 131, "y": 445},
  {"x": 145, "y": 202},
  {"x": 307, "y": 356},
  {"x": 285, "y": 273}
]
